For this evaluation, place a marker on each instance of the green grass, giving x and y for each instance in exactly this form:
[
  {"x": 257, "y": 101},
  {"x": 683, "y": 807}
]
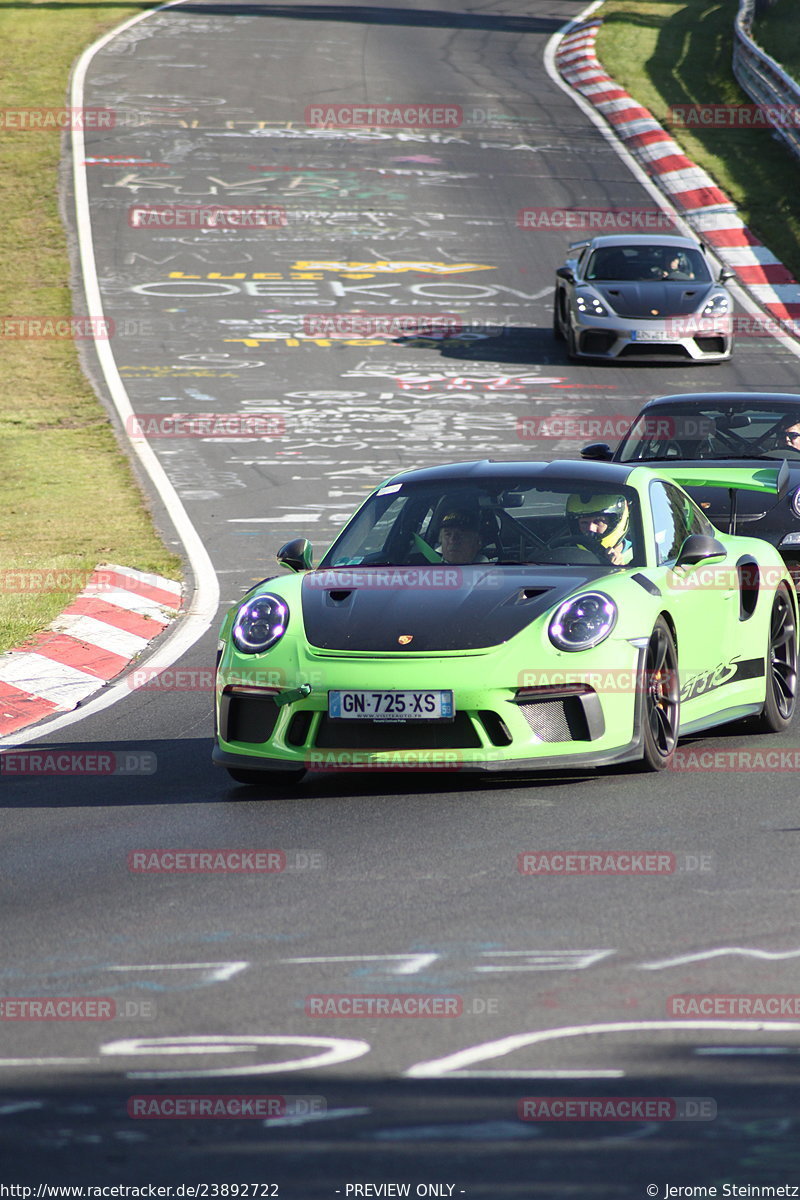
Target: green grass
[
  {"x": 778, "y": 32},
  {"x": 68, "y": 493},
  {"x": 667, "y": 53}
]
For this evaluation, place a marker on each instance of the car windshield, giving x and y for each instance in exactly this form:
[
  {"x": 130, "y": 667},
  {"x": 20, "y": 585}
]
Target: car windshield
[
  {"x": 504, "y": 521},
  {"x": 647, "y": 264},
  {"x": 708, "y": 432}
]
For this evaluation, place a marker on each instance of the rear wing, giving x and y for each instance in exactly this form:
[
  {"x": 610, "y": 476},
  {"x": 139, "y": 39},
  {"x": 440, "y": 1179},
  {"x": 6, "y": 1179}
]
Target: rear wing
[{"x": 774, "y": 480}]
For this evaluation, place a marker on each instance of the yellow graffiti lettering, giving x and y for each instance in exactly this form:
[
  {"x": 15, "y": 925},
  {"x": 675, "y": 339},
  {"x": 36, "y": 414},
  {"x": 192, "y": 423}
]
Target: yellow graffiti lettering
[
  {"x": 390, "y": 268},
  {"x": 293, "y": 342}
]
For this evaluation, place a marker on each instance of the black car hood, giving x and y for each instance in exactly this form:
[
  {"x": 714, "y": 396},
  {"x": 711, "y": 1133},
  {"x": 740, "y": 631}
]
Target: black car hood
[
  {"x": 652, "y": 300},
  {"x": 441, "y": 608}
]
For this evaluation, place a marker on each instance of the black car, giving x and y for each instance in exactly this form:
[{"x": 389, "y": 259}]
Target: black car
[{"x": 731, "y": 429}]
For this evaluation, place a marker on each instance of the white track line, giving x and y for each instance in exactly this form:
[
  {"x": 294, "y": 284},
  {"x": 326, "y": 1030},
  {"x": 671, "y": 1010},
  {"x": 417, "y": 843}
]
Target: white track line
[
  {"x": 203, "y": 608},
  {"x": 453, "y": 1064}
]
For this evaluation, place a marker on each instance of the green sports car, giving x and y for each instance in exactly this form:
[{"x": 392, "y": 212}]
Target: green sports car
[{"x": 505, "y": 615}]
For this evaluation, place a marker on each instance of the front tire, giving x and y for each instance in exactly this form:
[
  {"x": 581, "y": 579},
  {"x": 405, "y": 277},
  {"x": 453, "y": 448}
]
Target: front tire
[
  {"x": 781, "y": 666},
  {"x": 661, "y": 709},
  {"x": 572, "y": 345},
  {"x": 558, "y": 332}
]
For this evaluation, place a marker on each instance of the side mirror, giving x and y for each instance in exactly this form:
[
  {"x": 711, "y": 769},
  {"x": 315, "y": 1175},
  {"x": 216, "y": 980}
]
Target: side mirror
[
  {"x": 699, "y": 547},
  {"x": 297, "y": 555},
  {"x": 566, "y": 273},
  {"x": 725, "y": 274},
  {"x": 598, "y": 452}
]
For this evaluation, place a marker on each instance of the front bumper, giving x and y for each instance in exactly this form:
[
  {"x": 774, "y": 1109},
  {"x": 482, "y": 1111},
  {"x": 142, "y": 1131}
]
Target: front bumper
[
  {"x": 642, "y": 340},
  {"x": 572, "y": 718}
]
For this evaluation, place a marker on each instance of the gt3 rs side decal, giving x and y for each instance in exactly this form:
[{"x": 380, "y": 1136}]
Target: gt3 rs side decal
[{"x": 734, "y": 671}]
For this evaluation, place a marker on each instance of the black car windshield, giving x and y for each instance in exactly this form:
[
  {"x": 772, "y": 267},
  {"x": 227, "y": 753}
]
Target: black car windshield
[
  {"x": 506, "y": 521},
  {"x": 647, "y": 264},
  {"x": 711, "y": 431}
]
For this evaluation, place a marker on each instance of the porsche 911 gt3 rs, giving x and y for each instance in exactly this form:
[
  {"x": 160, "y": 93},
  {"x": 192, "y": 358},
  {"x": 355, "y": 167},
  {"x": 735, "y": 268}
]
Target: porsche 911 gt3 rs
[{"x": 501, "y": 615}]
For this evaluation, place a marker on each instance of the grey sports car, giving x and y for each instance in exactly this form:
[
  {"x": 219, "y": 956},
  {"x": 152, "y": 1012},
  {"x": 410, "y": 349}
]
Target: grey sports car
[{"x": 644, "y": 297}]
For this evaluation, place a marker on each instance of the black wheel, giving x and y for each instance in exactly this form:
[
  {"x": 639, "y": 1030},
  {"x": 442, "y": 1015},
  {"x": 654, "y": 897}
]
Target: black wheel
[
  {"x": 572, "y": 347},
  {"x": 661, "y": 709},
  {"x": 781, "y": 666},
  {"x": 558, "y": 332},
  {"x": 265, "y": 779}
]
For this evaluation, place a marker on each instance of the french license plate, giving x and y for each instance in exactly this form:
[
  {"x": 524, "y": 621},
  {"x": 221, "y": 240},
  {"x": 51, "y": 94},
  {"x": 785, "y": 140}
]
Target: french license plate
[
  {"x": 391, "y": 706},
  {"x": 648, "y": 335}
]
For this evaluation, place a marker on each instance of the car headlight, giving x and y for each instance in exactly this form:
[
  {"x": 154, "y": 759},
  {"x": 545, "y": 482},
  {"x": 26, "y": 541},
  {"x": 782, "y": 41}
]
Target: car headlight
[
  {"x": 583, "y": 622},
  {"x": 590, "y": 306},
  {"x": 721, "y": 303},
  {"x": 260, "y": 623},
  {"x": 794, "y": 501}
]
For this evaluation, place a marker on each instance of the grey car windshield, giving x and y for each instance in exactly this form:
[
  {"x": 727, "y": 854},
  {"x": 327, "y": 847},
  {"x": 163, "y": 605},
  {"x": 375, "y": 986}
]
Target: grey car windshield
[
  {"x": 501, "y": 521},
  {"x": 647, "y": 264},
  {"x": 708, "y": 432}
]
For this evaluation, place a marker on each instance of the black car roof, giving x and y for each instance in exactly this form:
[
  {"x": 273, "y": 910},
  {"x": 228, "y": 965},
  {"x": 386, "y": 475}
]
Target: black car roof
[
  {"x": 600, "y": 473},
  {"x": 733, "y": 399},
  {"x": 642, "y": 239}
]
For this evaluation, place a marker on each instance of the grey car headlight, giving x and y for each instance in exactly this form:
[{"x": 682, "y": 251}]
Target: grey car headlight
[
  {"x": 588, "y": 305},
  {"x": 720, "y": 303},
  {"x": 794, "y": 502},
  {"x": 260, "y": 623},
  {"x": 583, "y": 621}
]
